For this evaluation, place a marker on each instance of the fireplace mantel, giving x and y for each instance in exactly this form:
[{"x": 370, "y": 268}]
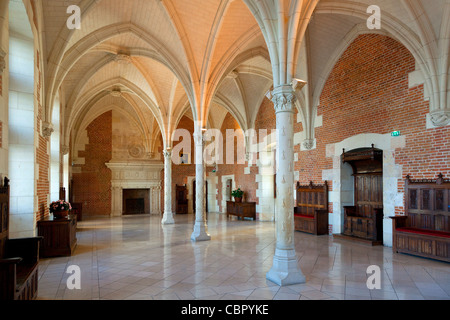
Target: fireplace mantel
[{"x": 135, "y": 175}]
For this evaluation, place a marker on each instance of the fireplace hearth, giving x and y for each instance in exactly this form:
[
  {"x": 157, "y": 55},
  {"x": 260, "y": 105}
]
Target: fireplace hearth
[{"x": 136, "y": 201}]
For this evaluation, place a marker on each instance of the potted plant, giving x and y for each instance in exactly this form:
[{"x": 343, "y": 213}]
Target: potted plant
[
  {"x": 60, "y": 209},
  {"x": 237, "y": 194}
]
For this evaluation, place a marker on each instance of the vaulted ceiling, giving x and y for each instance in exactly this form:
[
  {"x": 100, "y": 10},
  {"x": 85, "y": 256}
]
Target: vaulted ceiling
[{"x": 196, "y": 57}]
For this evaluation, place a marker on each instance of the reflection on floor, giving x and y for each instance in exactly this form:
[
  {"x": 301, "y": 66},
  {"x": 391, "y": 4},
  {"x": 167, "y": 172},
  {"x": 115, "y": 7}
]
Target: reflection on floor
[{"x": 135, "y": 257}]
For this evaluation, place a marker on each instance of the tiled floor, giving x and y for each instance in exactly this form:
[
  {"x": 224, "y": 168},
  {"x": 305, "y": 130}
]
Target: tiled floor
[{"x": 135, "y": 257}]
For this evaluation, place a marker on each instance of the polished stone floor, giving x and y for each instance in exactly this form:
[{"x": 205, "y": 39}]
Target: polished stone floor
[{"x": 137, "y": 258}]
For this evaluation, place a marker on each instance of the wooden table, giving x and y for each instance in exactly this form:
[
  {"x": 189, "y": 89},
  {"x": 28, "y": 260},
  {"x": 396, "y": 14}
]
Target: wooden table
[
  {"x": 241, "y": 209},
  {"x": 59, "y": 236}
]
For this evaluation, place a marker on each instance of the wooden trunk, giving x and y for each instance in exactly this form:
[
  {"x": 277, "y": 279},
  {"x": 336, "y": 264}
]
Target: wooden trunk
[
  {"x": 59, "y": 236},
  {"x": 241, "y": 209}
]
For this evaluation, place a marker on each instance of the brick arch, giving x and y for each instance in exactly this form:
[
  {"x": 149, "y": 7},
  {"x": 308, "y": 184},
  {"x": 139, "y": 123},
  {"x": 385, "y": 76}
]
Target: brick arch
[
  {"x": 374, "y": 68},
  {"x": 366, "y": 97},
  {"x": 419, "y": 46},
  {"x": 367, "y": 91},
  {"x": 358, "y": 30}
]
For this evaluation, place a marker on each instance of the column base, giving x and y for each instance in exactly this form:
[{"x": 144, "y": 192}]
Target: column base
[
  {"x": 200, "y": 233},
  {"x": 168, "y": 219},
  {"x": 285, "y": 271}
]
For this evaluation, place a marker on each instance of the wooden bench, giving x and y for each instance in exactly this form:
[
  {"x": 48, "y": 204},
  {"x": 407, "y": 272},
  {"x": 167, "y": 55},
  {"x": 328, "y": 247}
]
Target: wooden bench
[
  {"x": 311, "y": 210},
  {"x": 19, "y": 258},
  {"x": 424, "y": 230}
]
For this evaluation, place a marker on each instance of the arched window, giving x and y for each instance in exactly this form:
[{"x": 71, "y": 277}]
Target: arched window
[{"x": 21, "y": 121}]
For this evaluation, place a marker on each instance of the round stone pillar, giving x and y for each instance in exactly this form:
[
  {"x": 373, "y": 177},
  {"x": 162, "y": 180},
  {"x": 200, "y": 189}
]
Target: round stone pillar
[
  {"x": 168, "y": 213},
  {"x": 200, "y": 232},
  {"x": 285, "y": 270}
]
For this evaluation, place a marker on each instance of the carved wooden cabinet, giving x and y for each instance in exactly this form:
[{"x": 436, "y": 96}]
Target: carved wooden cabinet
[
  {"x": 364, "y": 220},
  {"x": 241, "y": 209},
  {"x": 59, "y": 236}
]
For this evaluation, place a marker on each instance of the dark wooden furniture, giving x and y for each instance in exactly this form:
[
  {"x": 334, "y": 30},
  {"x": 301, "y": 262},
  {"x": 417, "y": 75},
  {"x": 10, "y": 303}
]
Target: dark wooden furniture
[
  {"x": 241, "y": 209},
  {"x": 181, "y": 200},
  {"x": 424, "y": 230},
  {"x": 364, "y": 220},
  {"x": 311, "y": 210},
  {"x": 62, "y": 193},
  {"x": 59, "y": 236},
  {"x": 77, "y": 210},
  {"x": 19, "y": 258}
]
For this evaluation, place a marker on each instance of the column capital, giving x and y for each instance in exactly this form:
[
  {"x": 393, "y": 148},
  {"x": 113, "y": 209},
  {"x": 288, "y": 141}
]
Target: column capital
[
  {"x": 65, "y": 150},
  {"x": 47, "y": 129},
  {"x": 440, "y": 118},
  {"x": 308, "y": 144},
  {"x": 284, "y": 98},
  {"x": 167, "y": 153}
]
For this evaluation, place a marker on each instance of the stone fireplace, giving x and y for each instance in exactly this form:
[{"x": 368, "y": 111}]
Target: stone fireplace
[
  {"x": 136, "y": 201},
  {"x": 136, "y": 187}
]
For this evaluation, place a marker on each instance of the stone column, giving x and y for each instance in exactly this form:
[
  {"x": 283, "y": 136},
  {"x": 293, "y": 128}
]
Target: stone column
[
  {"x": 285, "y": 270},
  {"x": 200, "y": 228},
  {"x": 168, "y": 214},
  {"x": 266, "y": 186}
]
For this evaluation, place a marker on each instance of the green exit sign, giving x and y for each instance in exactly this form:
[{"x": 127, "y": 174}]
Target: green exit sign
[{"x": 396, "y": 134}]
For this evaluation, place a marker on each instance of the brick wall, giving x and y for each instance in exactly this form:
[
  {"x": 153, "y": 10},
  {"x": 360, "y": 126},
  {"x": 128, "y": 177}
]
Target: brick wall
[
  {"x": 180, "y": 173},
  {"x": 42, "y": 152},
  {"x": 367, "y": 92},
  {"x": 92, "y": 186}
]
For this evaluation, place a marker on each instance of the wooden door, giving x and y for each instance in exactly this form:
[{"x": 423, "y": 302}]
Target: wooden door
[{"x": 368, "y": 193}]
